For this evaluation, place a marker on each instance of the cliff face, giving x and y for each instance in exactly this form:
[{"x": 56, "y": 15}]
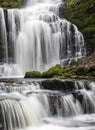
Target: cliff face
[
  {"x": 11, "y": 3},
  {"x": 82, "y": 14}
]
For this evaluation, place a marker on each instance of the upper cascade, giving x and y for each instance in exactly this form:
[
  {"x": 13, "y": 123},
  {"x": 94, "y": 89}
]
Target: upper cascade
[
  {"x": 36, "y": 38},
  {"x": 32, "y": 2}
]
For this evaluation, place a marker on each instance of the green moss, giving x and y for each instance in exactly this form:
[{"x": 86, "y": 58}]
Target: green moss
[
  {"x": 52, "y": 72},
  {"x": 58, "y": 71},
  {"x": 67, "y": 68},
  {"x": 82, "y": 14},
  {"x": 33, "y": 74},
  {"x": 46, "y": 74},
  {"x": 65, "y": 72}
]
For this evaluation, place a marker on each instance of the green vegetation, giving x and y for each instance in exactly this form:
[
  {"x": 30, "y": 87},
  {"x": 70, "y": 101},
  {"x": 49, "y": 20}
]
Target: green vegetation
[
  {"x": 33, "y": 74},
  {"x": 63, "y": 72},
  {"x": 82, "y": 14},
  {"x": 11, "y": 3},
  {"x": 54, "y": 71}
]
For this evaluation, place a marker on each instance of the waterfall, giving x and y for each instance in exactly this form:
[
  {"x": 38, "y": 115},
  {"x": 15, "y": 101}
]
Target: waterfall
[
  {"x": 30, "y": 105},
  {"x": 3, "y": 36},
  {"x": 36, "y": 38}
]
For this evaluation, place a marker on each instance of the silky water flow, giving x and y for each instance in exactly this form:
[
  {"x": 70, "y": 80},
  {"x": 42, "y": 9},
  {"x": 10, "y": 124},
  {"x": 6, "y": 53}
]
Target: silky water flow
[
  {"x": 29, "y": 106},
  {"x": 35, "y": 37}
]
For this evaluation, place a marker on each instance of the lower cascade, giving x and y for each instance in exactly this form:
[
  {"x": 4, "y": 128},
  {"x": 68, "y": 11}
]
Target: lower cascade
[
  {"x": 36, "y": 37},
  {"x": 29, "y": 105}
]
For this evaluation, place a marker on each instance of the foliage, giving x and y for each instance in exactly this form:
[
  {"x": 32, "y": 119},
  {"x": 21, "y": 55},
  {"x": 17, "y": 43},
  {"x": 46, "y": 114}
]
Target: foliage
[
  {"x": 82, "y": 13},
  {"x": 11, "y": 3},
  {"x": 33, "y": 74}
]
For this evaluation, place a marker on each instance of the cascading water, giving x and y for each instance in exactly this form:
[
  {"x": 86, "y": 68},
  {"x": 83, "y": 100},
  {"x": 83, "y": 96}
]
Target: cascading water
[
  {"x": 26, "y": 106},
  {"x": 36, "y": 38}
]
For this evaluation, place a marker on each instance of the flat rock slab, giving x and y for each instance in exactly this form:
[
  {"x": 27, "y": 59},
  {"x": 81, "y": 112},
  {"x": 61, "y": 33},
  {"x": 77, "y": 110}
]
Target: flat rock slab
[{"x": 61, "y": 85}]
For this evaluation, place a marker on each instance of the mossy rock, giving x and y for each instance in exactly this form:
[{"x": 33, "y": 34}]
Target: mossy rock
[
  {"x": 52, "y": 72},
  {"x": 58, "y": 71},
  {"x": 33, "y": 74},
  {"x": 67, "y": 68},
  {"x": 81, "y": 71}
]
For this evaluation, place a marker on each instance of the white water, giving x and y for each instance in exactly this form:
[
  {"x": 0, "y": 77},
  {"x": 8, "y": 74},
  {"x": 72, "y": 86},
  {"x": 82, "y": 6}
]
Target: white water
[
  {"x": 27, "y": 107},
  {"x": 36, "y": 38}
]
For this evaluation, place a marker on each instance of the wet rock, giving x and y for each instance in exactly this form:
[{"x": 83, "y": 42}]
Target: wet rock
[
  {"x": 1, "y": 120},
  {"x": 61, "y": 85}
]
